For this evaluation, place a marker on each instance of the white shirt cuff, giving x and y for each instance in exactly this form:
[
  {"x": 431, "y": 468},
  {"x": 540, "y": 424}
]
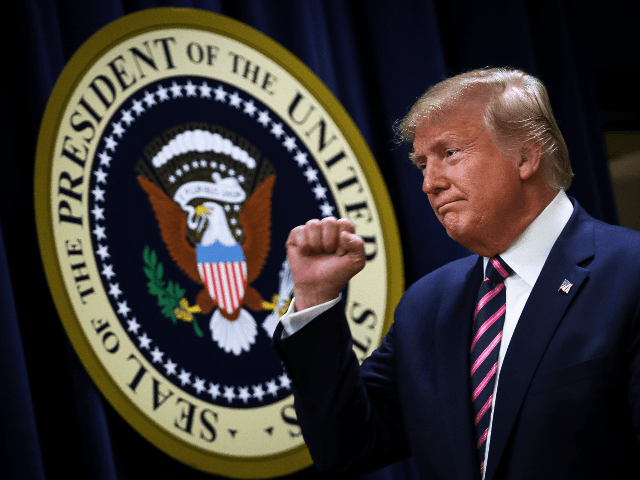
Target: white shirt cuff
[{"x": 293, "y": 321}]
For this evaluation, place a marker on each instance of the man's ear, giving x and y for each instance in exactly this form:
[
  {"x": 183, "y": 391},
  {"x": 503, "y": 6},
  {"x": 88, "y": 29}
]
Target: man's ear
[{"x": 530, "y": 161}]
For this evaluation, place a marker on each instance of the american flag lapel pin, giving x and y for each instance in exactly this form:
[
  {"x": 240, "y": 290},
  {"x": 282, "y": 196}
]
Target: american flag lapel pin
[{"x": 566, "y": 286}]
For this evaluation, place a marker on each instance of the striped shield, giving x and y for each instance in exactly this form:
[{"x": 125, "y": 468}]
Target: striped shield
[{"x": 225, "y": 276}]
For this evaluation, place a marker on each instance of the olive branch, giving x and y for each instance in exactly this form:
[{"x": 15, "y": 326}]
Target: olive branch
[{"x": 170, "y": 295}]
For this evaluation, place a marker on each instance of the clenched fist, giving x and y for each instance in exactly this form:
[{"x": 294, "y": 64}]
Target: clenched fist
[{"x": 323, "y": 255}]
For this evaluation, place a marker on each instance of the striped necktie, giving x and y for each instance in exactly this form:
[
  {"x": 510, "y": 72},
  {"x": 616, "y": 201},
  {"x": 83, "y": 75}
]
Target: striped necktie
[{"x": 485, "y": 347}]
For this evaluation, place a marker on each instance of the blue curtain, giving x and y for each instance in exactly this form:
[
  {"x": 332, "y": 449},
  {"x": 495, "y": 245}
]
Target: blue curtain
[{"x": 376, "y": 56}]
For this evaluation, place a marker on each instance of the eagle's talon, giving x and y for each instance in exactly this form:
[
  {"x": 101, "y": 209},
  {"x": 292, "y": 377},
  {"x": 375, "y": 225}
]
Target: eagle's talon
[
  {"x": 273, "y": 304},
  {"x": 185, "y": 312}
]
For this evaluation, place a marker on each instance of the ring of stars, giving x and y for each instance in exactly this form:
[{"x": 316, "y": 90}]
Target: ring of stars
[{"x": 138, "y": 106}]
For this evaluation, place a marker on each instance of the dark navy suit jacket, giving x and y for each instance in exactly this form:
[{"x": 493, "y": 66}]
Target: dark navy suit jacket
[{"x": 568, "y": 400}]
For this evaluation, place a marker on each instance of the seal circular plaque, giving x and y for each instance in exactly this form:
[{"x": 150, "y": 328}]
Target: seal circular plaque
[{"x": 178, "y": 149}]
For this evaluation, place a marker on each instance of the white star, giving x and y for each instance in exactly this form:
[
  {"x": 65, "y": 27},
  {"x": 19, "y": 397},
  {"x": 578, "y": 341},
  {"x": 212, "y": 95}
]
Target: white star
[
  {"x": 185, "y": 377},
  {"x": 107, "y": 271},
  {"x": 263, "y": 118},
  {"x": 311, "y": 174},
  {"x": 289, "y": 143},
  {"x": 320, "y": 192},
  {"x": 249, "y": 108},
  {"x": 98, "y": 193},
  {"x": 272, "y": 388},
  {"x": 149, "y": 99},
  {"x": 222, "y": 167},
  {"x": 191, "y": 89},
  {"x": 199, "y": 385},
  {"x": 205, "y": 90},
  {"x": 301, "y": 158},
  {"x": 133, "y": 325},
  {"x": 123, "y": 308},
  {"x": 214, "y": 390},
  {"x": 117, "y": 129},
  {"x": 195, "y": 164},
  {"x": 232, "y": 172},
  {"x": 111, "y": 144},
  {"x": 227, "y": 207},
  {"x": 235, "y": 100},
  {"x": 213, "y": 165},
  {"x": 228, "y": 394},
  {"x": 238, "y": 231},
  {"x": 172, "y": 179},
  {"x": 241, "y": 178},
  {"x": 236, "y": 208},
  {"x": 285, "y": 381},
  {"x": 176, "y": 90},
  {"x": 258, "y": 392},
  {"x": 170, "y": 367},
  {"x": 244, "y": 394},
  {"x": 162, "y": 93},
  {"x": 157, "y": 355},
  {"x": 98, "y": 213},
  {"x": 186, "y": 167},
  {"x": 105, "y": 159},
  {"x": 102, "y": 251},
  {"x": 144, "y": 341},
  {"x": 138, "y": 107},
  {"x": 221, "y": 95},
  {"x": 277, "y": 130},
  {"x": 127, "y": 117},
  {"x": 99, "y": 232},
  {"x": 203, "y": 163},
  {"x": 233, "y": 221},
  {"x": 114, "y": 290},
  {"x": 100, "y": 175},
  {"x": 327, "y": 210}
]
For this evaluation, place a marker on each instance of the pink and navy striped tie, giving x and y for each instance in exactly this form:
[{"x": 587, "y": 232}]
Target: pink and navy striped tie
[{"x": 485, "y": 347}]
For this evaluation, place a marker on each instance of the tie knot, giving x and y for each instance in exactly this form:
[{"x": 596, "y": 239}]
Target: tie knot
[{"x": 497, "y": 270}]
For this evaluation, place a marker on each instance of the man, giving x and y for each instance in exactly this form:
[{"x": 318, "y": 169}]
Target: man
[{"x": 528, "y": 370}]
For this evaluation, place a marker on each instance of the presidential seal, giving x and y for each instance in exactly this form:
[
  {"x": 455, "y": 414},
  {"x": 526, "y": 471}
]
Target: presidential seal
[{"x": 177, "y": 151}]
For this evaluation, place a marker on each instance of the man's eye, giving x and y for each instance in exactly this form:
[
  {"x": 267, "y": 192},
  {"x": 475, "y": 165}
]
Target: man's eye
[{"x": 450, "y": 152}]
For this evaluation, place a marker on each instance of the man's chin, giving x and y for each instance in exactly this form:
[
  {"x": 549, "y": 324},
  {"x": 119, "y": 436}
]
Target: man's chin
[
  {"x": 454, "y": 229},
  {"x": 461, "y": 233}
]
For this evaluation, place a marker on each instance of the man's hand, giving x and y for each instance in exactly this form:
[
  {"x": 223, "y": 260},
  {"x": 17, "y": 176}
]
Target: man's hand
[{"x": 323, "y": 255}]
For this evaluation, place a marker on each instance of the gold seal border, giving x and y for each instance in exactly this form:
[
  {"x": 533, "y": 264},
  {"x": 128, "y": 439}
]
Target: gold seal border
[{"x": 135, "y": 24}]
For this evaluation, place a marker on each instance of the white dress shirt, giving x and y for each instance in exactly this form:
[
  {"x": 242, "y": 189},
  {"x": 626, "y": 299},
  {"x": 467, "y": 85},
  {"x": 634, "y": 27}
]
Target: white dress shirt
[{"x": 526, "y": 257}]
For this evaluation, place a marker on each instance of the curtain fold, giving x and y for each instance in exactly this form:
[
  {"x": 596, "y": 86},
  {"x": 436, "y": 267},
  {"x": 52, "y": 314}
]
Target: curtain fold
[{"x": 19, "y": 433}]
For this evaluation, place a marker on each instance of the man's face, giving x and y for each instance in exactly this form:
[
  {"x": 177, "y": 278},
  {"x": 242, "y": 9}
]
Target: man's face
[{"x": 474, "y": 190}]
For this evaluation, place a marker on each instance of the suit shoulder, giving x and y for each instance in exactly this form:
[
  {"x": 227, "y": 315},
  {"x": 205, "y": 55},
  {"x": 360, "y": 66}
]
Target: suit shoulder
[
  {"x": 607, "y": 229},
  {"x": 617, "y": 240},
  {"x": 585, "y": 237}
]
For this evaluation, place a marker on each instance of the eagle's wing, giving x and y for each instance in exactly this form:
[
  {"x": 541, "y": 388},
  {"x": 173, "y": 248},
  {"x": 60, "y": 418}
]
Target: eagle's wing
[
  {"x": 256, "y": 224},
  {"x": 173, "y": 224}
]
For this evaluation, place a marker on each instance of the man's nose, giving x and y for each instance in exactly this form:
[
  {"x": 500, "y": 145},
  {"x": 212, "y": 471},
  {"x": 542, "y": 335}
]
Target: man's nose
[{"x": 434, "y": 178}]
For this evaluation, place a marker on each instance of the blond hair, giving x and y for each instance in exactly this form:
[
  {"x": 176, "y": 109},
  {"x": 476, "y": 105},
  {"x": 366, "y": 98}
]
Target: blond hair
[{"x": 517, "y": 112}]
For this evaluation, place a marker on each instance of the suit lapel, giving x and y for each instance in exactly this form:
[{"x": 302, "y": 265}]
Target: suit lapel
[
  {"x": 453, "y": 330},
  {"x": 539, "y": 320}
]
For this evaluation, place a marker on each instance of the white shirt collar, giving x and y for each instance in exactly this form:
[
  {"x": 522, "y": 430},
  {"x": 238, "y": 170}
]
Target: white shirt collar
[{"x": 527, "y": 255}]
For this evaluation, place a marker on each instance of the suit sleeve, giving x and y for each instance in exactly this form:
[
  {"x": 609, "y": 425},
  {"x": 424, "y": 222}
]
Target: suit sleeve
[
  {"x": 634, "y": 371},
  {"x": 349, "y": 415}
]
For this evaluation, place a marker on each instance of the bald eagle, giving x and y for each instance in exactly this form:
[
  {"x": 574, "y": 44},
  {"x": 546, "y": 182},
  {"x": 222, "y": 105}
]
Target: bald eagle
[{"x": 218, "y": 262}]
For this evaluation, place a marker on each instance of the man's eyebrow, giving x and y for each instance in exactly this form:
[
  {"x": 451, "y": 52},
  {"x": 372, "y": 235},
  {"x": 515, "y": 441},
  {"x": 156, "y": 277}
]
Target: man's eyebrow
[{"x": 436, "y": 144}]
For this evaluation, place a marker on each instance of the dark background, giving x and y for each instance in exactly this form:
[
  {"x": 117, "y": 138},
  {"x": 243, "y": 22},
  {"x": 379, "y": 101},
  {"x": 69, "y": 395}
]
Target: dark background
[{"x": 377, "y": 57}]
